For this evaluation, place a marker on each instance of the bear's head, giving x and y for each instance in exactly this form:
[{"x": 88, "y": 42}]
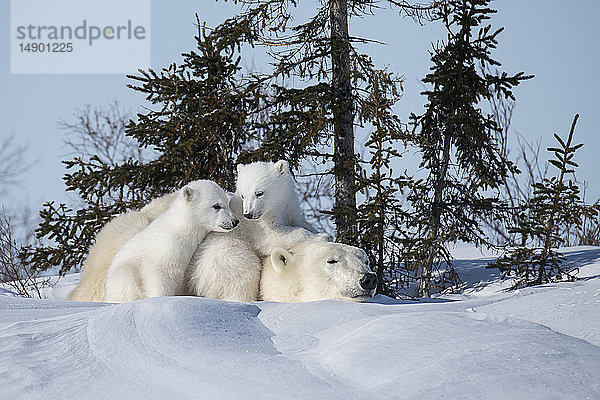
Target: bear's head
[
  {"x": 317, "y": 270},
  {"x": 262, "y": 185},
  {"x": 210, "y": 205}
]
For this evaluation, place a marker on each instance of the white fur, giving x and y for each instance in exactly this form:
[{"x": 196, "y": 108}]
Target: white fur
[
  {"x": 227, "y": 265},
  {"x": 110, "y": 239},
  {"x": 268, "y": 189},
  {"x": 303, "y": 273},
  {"x": 153, "y": 262},
  {"x": 232, "y": 273}
]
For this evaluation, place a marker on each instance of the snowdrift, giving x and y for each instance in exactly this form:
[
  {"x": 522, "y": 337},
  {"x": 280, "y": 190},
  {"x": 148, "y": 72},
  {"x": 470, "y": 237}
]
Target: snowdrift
[{"x": 527, "y": 344}]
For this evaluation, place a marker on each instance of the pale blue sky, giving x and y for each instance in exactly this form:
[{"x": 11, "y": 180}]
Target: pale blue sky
[{"x": 556, "y": 43}]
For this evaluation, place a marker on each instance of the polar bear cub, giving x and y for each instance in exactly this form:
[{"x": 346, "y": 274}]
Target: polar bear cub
[
  {"x": 153, "y": 262},
  {"x": 268, "y": 195},
  {"x": 268, "y": 189},
  {"x": 317, "y": 270},
  {"x": 110, "y": 239}
]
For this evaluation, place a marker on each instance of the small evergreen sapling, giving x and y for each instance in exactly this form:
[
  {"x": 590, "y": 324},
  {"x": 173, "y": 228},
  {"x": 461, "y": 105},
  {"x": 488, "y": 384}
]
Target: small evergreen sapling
[
  {"x": 556, "y": 204},
  {"x": 381, "y": 214}
]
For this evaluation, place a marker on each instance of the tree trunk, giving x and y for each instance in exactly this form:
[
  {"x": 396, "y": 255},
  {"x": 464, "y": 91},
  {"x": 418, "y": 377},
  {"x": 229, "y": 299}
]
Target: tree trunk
[
  {"x": 424, "y": 284},
  {"x": 380, "y": 252},
  {"x": 343, "y": 117},
  {"x": 380, "y": 229}
]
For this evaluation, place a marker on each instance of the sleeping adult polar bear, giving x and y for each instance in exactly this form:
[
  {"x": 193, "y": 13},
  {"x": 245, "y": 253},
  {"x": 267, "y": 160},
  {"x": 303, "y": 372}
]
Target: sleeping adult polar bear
[
  {"x": 227, "y": 266},
  {"x": 317, "y": 270}
]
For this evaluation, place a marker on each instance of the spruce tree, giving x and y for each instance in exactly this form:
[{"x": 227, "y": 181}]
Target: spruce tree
[
  {"x": 555, "y": 206},
  {"x": 381, "y": 215},
  {"x": 314, "y": 88},
  {"x": 196, "y": 125},
  {"x": 456, "y": 138}
]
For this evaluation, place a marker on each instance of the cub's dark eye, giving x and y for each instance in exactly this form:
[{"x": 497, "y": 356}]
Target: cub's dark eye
[
  {"x": 332, "y": 261},
  {"x": 217, "y": 206},
  {"x": 259, "y": 193}
]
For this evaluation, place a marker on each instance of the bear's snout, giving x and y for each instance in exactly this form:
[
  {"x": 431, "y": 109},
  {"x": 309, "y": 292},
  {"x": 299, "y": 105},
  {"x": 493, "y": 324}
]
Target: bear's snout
[
  {"x": 252, "y": 215},
  {"x": 368, "y": 281}
]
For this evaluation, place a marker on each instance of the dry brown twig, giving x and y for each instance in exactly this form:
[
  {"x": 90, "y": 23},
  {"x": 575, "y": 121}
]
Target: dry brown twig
[{"x": 15, "y": 274}]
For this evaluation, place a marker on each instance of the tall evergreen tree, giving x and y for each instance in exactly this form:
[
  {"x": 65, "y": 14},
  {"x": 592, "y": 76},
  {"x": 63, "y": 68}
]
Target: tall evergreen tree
[
  {"x": 317, "y": 78},
  {"x": 197, "y": 127},
  {"x": 456, "y": 138},
  {"x": 555, "y": 206},
  {"x": 343, "y": 123}
]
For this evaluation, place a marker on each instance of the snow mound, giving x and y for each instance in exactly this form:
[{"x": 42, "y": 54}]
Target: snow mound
[
  {"x": 382, "y": 350},
  {"x": 199, "y": 348},
  {"x": 151, "y": 349},
  {"x": 6, "y": 292},
  {"x": 535, "y": 343}
]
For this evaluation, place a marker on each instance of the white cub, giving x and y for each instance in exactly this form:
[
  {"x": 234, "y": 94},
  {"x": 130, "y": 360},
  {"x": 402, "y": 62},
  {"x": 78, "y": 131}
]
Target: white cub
[
  {"x": 268, "y": 195},
  {"x": 267, "y": 190},
  {"x": 110, "y": 239},
  {"x": 317, "y": 270},
  {"x": 227, "y": 266},
  {"x": 153, "y": 262}
]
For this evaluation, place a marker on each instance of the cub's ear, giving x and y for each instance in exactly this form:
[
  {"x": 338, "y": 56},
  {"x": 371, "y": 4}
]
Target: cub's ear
[
  {"x": 239, "y": 168},
  {"x": 280, "y": 258},
  {"x": 188, "y": 193},
  {"x": 282, "y": 166}
]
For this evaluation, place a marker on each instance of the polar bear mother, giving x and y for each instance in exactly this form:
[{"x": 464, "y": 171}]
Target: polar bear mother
[
  {"x": 228, "y": 264},
  {"x": 317, "y": 270}
]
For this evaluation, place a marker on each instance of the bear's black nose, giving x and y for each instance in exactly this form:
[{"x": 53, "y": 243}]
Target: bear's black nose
[
  {"x": 368, "y": 281},
  {"x": 236, "y": 222},
  {"x": 248, "y": 216}
]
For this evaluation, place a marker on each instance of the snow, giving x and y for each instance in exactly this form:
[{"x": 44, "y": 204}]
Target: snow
[{"x": 535, "y": 343}]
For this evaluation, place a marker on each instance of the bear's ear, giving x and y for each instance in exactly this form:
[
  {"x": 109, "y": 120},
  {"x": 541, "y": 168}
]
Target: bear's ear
[
  {"x": 280, "y": 258},
  {"x": 282, "y": 166},
  {"x": 238, "y": 168},
  {"x": 188, "y": 192}
]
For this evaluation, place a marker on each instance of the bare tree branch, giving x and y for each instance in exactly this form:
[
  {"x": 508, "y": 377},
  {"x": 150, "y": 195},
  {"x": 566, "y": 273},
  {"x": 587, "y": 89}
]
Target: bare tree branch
[
  {"x": 14, "y": 272},
  {"x": 101, "y": 131},
  {"x": 12, "y": 163}
]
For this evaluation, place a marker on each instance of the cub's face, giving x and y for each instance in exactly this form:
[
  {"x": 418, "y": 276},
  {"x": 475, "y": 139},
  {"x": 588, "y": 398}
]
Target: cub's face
[
  {"x": 210, "y": 204},
  {"x": 325, "y": 270},
  {"x": 259, "y": 186}
]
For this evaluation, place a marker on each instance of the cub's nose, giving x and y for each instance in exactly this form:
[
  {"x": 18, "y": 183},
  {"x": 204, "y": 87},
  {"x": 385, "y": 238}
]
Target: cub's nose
[
  {"x": 368, "y": 281},
  {"x": 248, "y": 215},
  {"x": 235, "y": 222}
]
